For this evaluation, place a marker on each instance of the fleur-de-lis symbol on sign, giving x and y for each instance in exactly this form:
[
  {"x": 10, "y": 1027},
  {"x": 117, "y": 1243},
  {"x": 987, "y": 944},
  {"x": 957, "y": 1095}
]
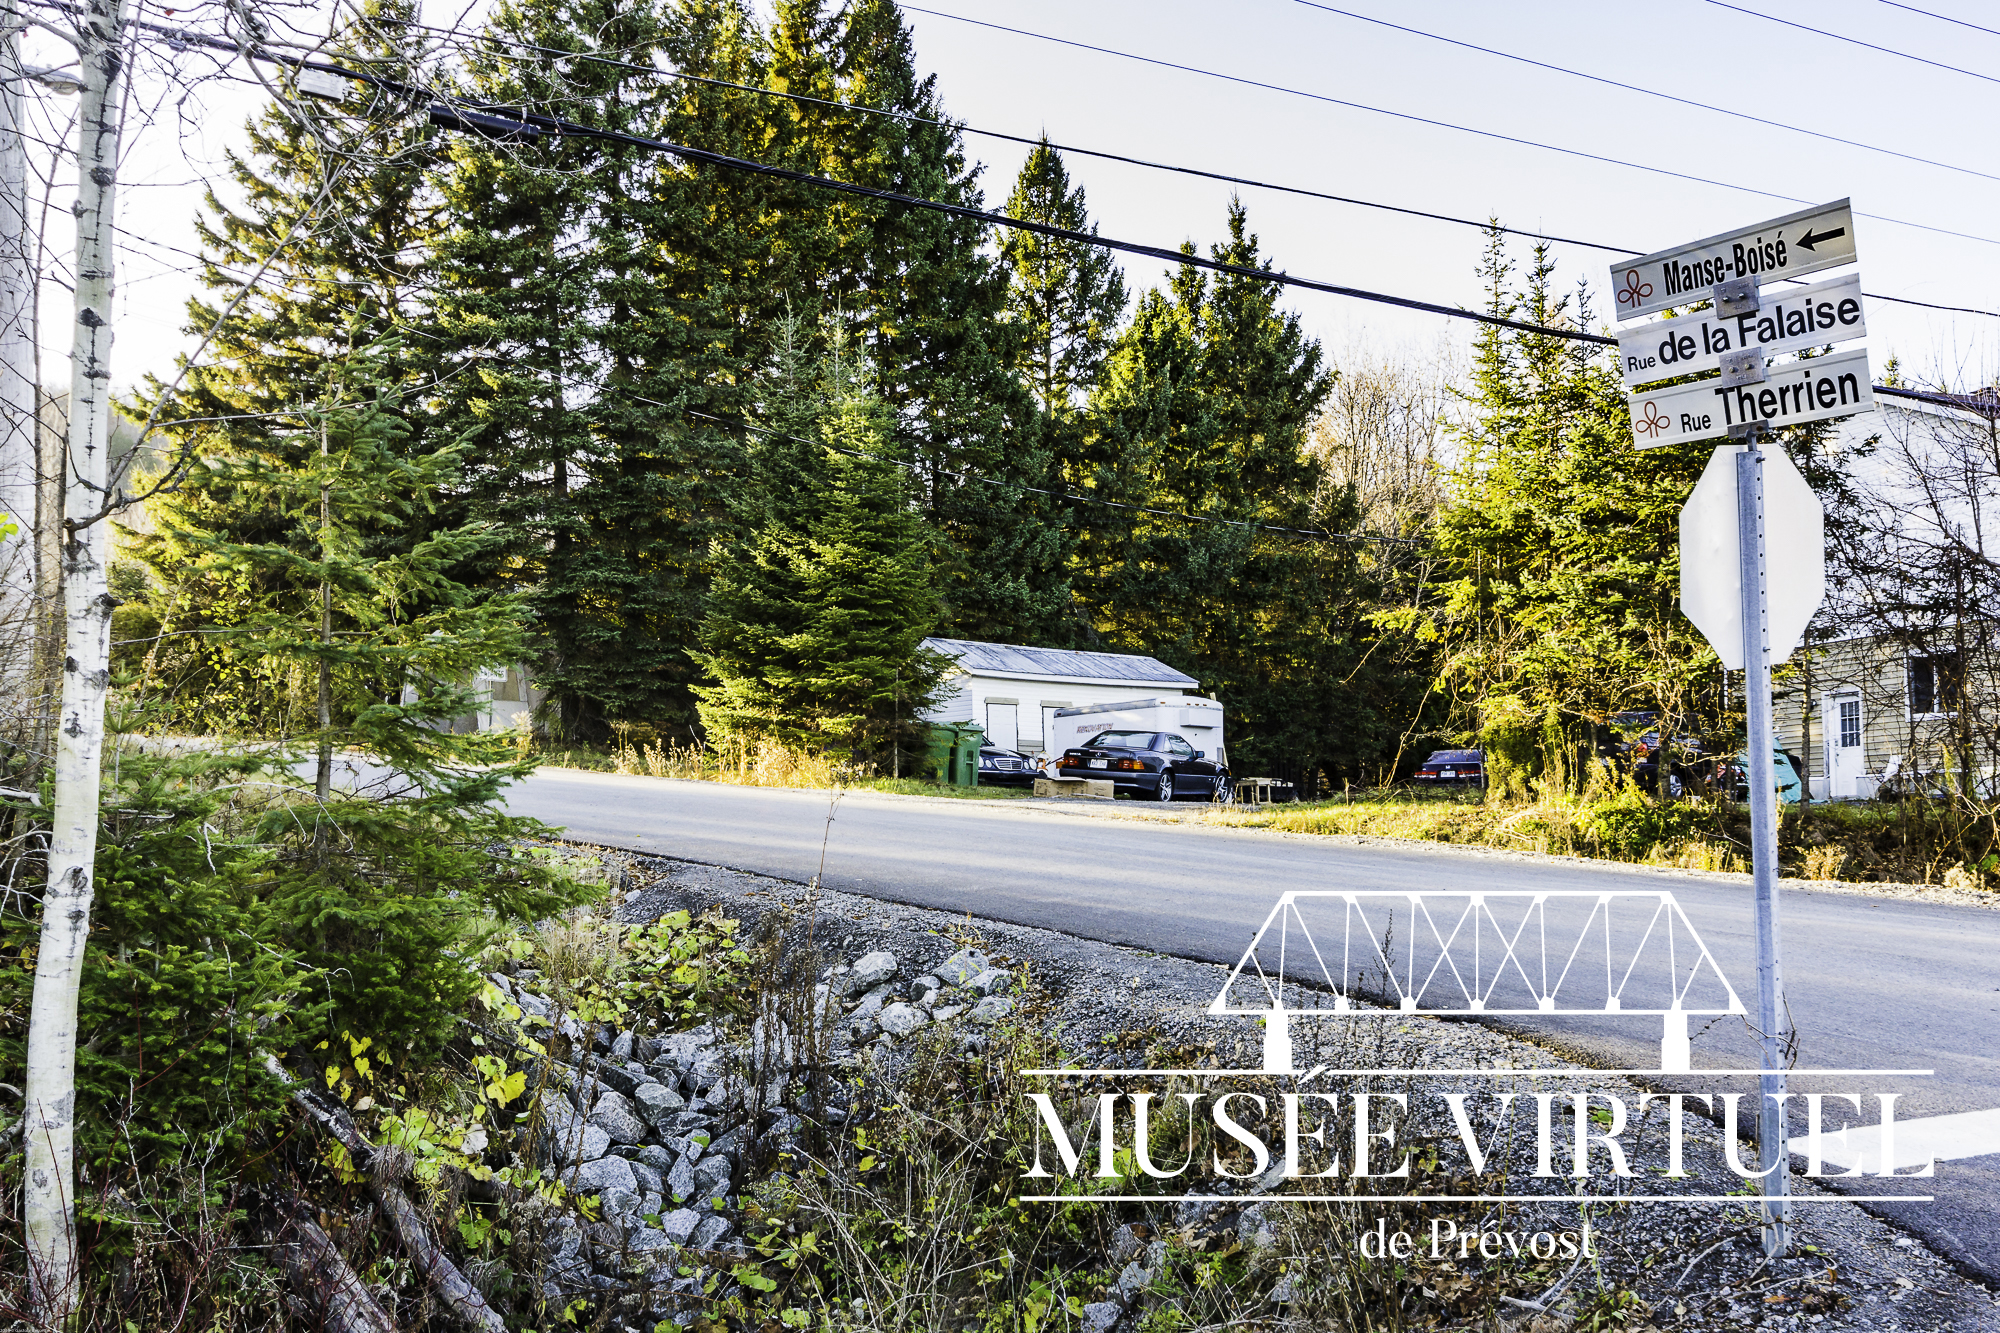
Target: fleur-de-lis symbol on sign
[
  {"x": 1633, "y": 291},
  {"x": 1652, "y": 423}
]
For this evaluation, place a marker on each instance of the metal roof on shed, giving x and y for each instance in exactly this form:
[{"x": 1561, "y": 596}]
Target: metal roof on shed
[{"x": 1016, "y": 660}]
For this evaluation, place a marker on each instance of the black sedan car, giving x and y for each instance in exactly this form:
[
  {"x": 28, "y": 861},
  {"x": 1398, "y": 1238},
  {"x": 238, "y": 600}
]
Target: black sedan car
[
  {"x": 1158, "y": 765},
  {"x": 1006, "y": 768},
  {"x": 1452, "y": 768}
]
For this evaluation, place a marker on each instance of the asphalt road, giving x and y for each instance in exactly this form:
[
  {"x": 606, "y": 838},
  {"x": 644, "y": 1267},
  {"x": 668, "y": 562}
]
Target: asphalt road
[{"x": 1872, "y": 983}]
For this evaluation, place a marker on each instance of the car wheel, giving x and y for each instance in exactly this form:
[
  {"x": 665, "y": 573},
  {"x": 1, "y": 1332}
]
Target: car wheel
[
  {"x": 1166, "y": 792},
  {"x": 1225, "y": 790}
]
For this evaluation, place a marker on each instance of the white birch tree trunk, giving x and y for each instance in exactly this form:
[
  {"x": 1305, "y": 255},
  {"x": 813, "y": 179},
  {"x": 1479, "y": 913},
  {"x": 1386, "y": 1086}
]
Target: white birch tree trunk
[
  {"x": 49, "y": 1189},
  {"x": 18, "y": 426}
]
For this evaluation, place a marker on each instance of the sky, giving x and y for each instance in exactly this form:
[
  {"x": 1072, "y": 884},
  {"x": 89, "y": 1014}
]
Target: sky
[{"x": 1717, "y": 58}]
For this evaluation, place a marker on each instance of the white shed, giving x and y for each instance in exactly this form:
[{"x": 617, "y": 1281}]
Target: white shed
[{"x": 1011, "y": 690}]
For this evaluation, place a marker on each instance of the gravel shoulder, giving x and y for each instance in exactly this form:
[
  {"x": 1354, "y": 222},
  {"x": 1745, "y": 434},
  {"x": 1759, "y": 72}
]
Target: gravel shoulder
[{"x": 1697, "y": 1265}]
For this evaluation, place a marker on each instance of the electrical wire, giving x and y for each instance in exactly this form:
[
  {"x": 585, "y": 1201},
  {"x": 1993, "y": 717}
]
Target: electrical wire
[
  {"x": 504, "y": 121},
  {"x": 1488, "y": 225},
  {"x": 914, "y": 119},
  {"x": 1856, "y": 41},
  {"x": 1650, "y": 92},
  {"x": 911, "y": 118},
  {"x": 1440, "y": 124},
  {"x": 1943, "y": 18}
]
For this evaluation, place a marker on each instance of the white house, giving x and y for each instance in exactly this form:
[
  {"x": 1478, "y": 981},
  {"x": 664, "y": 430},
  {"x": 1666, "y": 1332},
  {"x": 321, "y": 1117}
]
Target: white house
[{"x": 1011, "y": 690}]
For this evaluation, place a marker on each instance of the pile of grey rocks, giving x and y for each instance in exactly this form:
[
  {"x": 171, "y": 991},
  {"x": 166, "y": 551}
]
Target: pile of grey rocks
[
  {"x": 877, "y": 1004},
  {"x": 665, "y": 1131},
  {"x": 662, "y": 1131}
]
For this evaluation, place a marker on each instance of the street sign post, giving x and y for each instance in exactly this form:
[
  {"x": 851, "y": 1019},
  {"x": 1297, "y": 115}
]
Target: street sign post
[
  {"x": 1750, "y": 506},
  {"x": 1791, "y": 319},
  {"x": 1788, "y": 247},
  {"x": 1773, "y": 1133},
  {"x": 1826, "y": 386}
]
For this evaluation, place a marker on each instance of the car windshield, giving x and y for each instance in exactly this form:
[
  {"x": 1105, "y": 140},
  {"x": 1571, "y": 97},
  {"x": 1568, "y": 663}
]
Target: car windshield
[
  {"x": 1453, "y": 757},
  {"x": 1124, "y": 740}
]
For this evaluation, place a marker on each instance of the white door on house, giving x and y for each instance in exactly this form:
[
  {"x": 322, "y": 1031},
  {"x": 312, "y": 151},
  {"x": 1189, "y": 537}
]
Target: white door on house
[
  {"x": 1845, "y": 753},
  {"x": 1003, "y": 725}
]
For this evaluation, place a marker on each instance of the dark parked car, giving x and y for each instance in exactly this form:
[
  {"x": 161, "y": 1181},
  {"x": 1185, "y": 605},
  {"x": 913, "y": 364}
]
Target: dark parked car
[
  {"x": 1684, "y": 769},
  {"x": 1160, "y": 765},
  {"x": 1006, "y": 768},
  {"x": 1452, "y": 768}
]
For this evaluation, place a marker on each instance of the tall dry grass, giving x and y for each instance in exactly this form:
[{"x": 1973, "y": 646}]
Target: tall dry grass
[{"x": 759, "y": 763}]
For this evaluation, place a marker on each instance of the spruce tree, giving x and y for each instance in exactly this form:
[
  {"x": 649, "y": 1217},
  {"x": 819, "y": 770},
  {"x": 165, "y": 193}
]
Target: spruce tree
[
  {"x": 1559, "y": 536},
  {"x": 815, "y": 625},
  {"x": 1204, "y": 409},
  {"x": 337, "y": 219},
  {"x": 923, "y": 297},
  {"x": 613, "y": 304},
  {"x": 379, "y": 878},
  {"x": 1065, "y": 297}
]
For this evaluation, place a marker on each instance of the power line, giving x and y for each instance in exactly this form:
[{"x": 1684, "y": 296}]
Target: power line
[
  {"x": 1487, "y": 225},
  {"x": 1856, "y": 41},
  {"x": 514, "y": 122},
  {"x": 1650, "y": 92},
  {"x": 1942, "y": 18},
  {"x": 909, "y": 117},
  {"x": 1439, "y": 124},
  {"x": 501, "y": 121},
  {"x": 488, "y": 122},
  {"x": 914, "y": 119}
]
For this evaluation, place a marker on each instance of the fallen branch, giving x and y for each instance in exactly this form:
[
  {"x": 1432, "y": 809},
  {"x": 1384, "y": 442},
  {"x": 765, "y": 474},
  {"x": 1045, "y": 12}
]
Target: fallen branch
[
  {"x": 452, "y": 1287},
  {"x": 335, "y": 1292},
  {"x": 1692, "y": 1263}
]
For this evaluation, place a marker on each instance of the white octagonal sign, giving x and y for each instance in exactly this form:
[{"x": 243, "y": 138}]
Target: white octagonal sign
[{"x": 1794, "y": 556}]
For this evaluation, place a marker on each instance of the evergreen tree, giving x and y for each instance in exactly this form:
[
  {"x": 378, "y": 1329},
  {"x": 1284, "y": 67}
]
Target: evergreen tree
[
  {"x": 335, "y": 228},
  {"x": 591, "y": 292},
  {"x": 1561, "y": 538},
  {"x": 1204, "y": 409},
  {"x": 923, "y": 299},
  {"x": 815, "y": 626},
  {"x": 375, "y": 891},
  {"x": 229, "y": 929},
  {"x": 1065, "y": 297}
]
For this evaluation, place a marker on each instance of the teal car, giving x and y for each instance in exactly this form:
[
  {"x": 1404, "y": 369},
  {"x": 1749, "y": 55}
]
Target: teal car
[{"x": 1785, "y": 767}]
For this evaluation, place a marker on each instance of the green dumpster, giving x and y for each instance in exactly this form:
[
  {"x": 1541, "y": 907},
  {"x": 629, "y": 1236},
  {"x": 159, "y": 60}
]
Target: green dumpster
[{"x": 952, "y": 755}]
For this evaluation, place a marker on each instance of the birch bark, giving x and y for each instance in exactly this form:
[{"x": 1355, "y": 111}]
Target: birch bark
[
  {"x": 18, "y": 427},
  {"x": 49, "y": 1187}
]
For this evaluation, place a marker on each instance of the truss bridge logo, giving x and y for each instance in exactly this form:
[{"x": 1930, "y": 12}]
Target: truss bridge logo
[{"x": 1496, "y": 953}]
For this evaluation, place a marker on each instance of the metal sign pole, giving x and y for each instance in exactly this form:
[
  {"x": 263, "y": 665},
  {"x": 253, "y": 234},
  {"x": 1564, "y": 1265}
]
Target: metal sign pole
[{"x": 1773, "y": 1150}]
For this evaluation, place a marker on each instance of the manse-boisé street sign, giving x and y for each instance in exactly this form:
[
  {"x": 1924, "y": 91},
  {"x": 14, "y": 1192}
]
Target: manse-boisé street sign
[{"x": 1788, "y": 247}]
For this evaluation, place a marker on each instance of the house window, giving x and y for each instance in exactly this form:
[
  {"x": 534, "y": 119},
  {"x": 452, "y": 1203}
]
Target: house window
[
  {"x": 1850, "y": 722},
  {"x": 1933, "y": 685}
]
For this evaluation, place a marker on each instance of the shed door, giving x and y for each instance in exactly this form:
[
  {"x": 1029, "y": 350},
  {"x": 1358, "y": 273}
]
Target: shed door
[
  {"x": 1003, "y": 725},
  {"x": 1845, "y": 753}
]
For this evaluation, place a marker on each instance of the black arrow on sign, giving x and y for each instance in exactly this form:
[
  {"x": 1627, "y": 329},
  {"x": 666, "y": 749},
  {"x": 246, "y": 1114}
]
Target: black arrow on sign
[{"x": 1809, "y": 240}]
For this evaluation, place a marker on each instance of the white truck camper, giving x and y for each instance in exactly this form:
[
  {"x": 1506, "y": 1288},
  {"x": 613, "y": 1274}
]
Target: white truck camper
[{"x": 1192, "y": 717}]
